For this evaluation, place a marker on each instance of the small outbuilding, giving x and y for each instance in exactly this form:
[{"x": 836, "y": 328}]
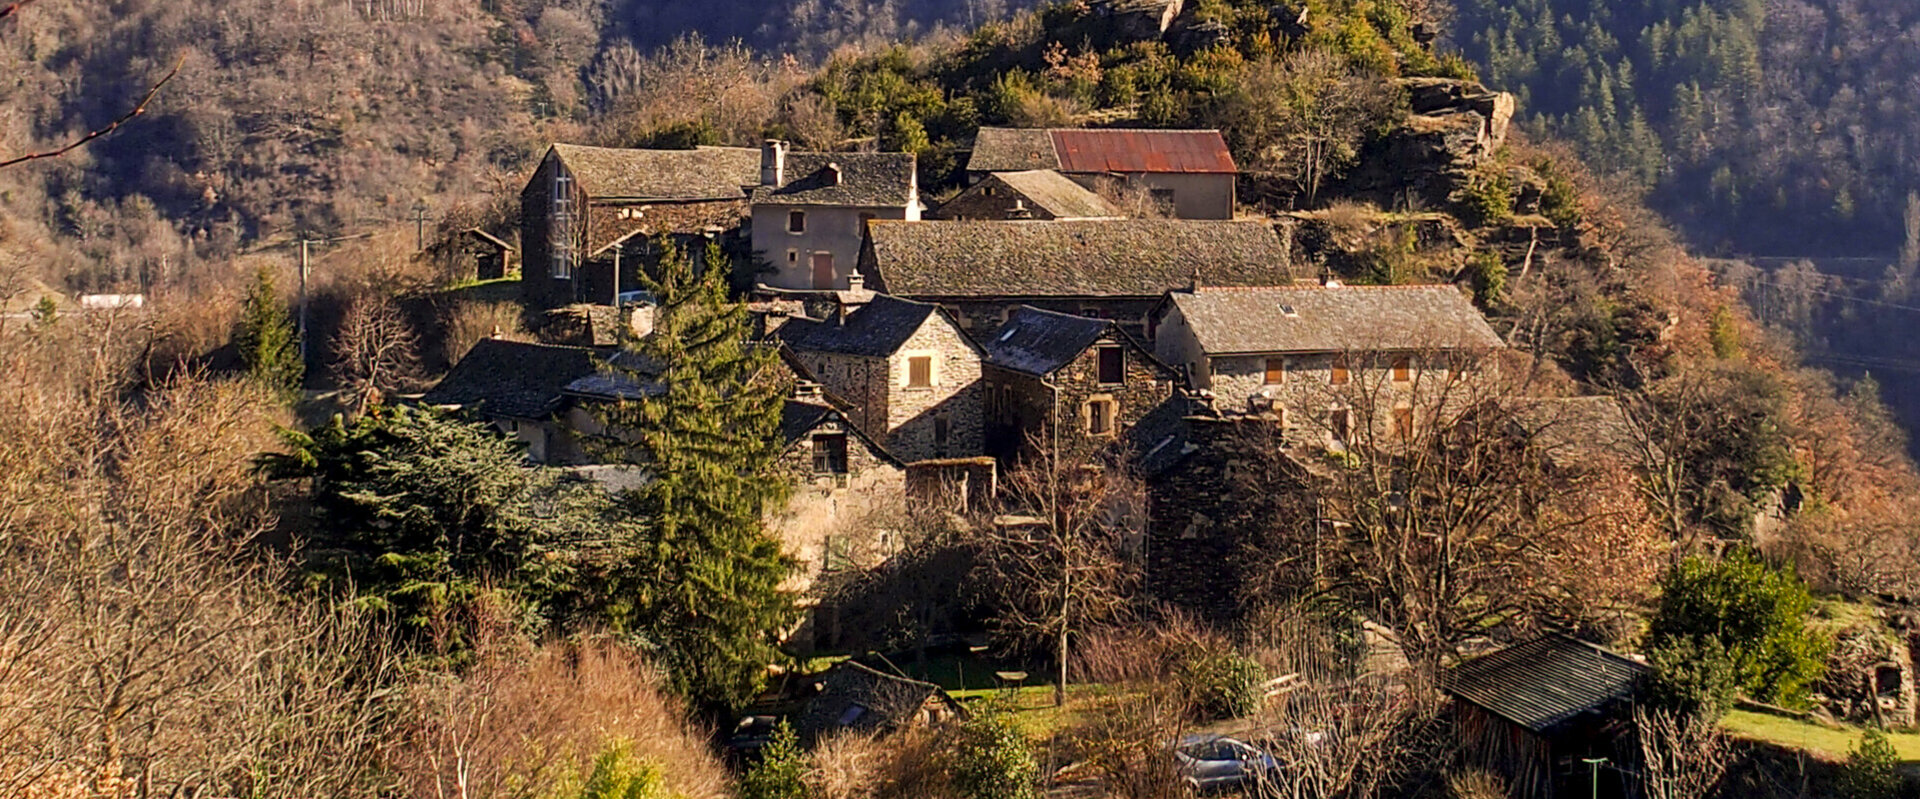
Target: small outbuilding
[
  {"x": 856, "y": 698},
  {"x": 1537, "y": 712}
]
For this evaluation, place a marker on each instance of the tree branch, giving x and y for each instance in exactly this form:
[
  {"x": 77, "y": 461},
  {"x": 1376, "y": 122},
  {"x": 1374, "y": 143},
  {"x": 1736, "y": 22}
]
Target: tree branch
[
  {"x": 138, "y": 109},
  {"x": 10, "y": 9}
]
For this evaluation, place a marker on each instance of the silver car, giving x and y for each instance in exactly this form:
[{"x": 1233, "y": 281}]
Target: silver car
[{"x": 1211, "y": 763}]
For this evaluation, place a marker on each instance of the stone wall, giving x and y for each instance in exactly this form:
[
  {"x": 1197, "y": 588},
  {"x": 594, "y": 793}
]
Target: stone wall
[
  {"x": 862, "y": 381},
  {"x": 1020, "y": 404},
  {"x": 1306, "y": 395},
  {"x": 1213, "y": 518},
  {"x": 1195, "y": 195},
  {"x": 829, "y": 511},
  {"x": 914, "y": 415}
]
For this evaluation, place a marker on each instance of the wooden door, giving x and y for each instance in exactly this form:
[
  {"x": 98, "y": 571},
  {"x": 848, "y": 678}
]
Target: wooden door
[{"x": 823, "y": 270}]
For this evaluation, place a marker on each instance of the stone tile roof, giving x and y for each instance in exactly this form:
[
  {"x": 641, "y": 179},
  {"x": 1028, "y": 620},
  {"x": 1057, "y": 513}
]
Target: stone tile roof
[
  {"x": 1103, "y": 150},
  {"x": 1109, "y": 258},
  {"x": 1061, "y": 198},
  {"x": 1332, "y": 319},
  {"x": 877, "y": 329},
  {"x": 705, "y": 173},
  {"x": 610, "y": 383},
  {"x": 856, "y": 698},
  {"x": 799, "y": 417},
  {"x": 512, "y": 378},
  {"x": 1039, "y": 342},
  {"x": 1572, "y": 431},
  {"x": 866, "y": 179},
  {"x": 1545, "y": 683}
]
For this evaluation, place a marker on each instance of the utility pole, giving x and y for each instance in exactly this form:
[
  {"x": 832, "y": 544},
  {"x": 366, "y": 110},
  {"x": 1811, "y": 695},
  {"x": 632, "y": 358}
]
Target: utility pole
[
  {"x": 419, "y": 224},
  {"x": 303, "y": 301}
]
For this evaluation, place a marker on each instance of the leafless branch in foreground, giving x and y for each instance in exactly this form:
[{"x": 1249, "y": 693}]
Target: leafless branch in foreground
[{"x": 138, "y": 109}]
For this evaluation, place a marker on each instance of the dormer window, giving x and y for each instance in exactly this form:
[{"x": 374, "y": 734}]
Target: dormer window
[
  {"x": 796, "y": 221},
  {"x": 833, "y": 174}
]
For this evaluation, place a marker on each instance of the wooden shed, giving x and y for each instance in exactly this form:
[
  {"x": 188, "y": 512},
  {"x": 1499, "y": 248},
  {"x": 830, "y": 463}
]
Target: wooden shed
[{"x": 1534, "y": 713}]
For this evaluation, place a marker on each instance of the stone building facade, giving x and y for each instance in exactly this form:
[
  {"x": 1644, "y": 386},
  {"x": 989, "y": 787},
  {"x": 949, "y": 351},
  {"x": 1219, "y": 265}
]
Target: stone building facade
[
  {"x": 810, "y": 211},
  {"x": 1213, "y": 509},
  {"x": 1067, "y": 381},
  {"x": 840, "y": 477},
  {"x": 1326, "y": 360},
  {"x": 910, "y": 373}
]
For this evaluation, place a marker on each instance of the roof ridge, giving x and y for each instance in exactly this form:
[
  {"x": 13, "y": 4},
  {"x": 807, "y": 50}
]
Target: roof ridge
[{"x": 1316, "y": 287}]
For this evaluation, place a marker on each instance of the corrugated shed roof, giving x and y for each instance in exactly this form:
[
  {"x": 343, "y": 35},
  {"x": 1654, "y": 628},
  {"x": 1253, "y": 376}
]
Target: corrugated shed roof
[
  {"x": 704, "y": 173},
  {"x": 1184, "y": 151},
  {"x": 1107, "y": 258},
  {"x": 1039, "y": 342},
  {"x": 1333, "y": 319},
  {"x": 877, "y": 329},
  {"x": 512, "y": 378},
  {"x": 866, "y": 179},
  {"x": 1101, "y": 150},
  {"x": 1057, "y": 195},
  {"x": 1546, "y": 682}
]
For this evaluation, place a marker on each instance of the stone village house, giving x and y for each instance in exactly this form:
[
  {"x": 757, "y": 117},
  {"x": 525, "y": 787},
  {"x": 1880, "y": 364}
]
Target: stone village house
[
  {"x": 1033, "y": 194},
  {"x": 810, "y": 211},
  {"x": 1313, "y": 355},
  {"x": 586, "y": 207},
  {"x": 1116, "y": 269},
  {"x": 911, "y": 373},
  {"x": 1190, "y": 171},
  {"x": 1067, "y": 380}
]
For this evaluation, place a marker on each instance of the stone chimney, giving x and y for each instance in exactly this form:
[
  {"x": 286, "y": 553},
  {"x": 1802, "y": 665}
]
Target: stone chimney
[
  {"x": 773, "y": 162},
  {"x": 833, "y": 173},
  {"x": 1019, "y": 210},
  {"x": 856, "y": 282},
  {"x": 640, "y": 319}
]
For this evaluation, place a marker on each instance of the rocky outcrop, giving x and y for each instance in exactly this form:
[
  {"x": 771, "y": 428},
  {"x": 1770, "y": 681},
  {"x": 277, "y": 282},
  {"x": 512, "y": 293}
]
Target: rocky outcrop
[
  {"x": 1454, "y": 128},
  {"x": 1869, "y": 678}
]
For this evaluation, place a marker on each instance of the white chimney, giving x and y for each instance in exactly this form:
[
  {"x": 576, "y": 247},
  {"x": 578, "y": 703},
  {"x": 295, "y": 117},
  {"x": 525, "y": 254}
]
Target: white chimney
[
  {"x": 833, "y": 174},
  {"x": 773, "y": 162},
  {"x": 856, "y": 282}
]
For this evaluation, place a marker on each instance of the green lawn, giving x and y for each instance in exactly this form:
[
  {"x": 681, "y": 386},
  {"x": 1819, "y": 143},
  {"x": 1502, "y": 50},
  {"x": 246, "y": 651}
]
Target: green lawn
[
  {"x": 1828, "y": 743},
  {"x": 1033, "y": 708}
]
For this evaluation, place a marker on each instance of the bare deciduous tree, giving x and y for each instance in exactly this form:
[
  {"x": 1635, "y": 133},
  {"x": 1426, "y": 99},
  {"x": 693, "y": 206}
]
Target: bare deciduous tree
[
  {"x": 1680, "y": 757},
  {"x": 375, "y": 353}
]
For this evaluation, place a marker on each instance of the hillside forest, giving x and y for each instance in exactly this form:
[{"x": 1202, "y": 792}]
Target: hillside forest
[{"x": 237, "y": 566}]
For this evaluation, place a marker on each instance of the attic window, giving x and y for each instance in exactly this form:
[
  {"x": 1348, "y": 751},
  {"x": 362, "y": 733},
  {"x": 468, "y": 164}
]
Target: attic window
[
  {"x": 830, "y": 453},
  {"x": 1276, "y": 372},
  {"x": 796, "y": 221},
  {"x": 1288, "y": 311},
  {"x": 920, "y": 371},
  {"x": 1113, "y": 365}
]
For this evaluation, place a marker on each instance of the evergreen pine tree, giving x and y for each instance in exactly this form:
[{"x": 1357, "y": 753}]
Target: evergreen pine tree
[
  {"x": 266, "y": 339},
  {"x": 704, "y": 583}
]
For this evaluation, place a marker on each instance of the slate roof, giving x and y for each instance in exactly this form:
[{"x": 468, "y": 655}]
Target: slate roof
[
  {"x": 1545, "y": 683},
  {"x": 856, "y": 698},
  {"x": 1108, "y": 258},
  {"x": 799, "y": 417},
  {"x": 1332, "y": 319},
  {"x": 1039, "y": 342},
  {"x": 877, "y": 329},
  {"x": 1127, "y": 150},
  {"x": 866, "y": 179},
  {"x": 512, "y": 378},
  {"x": 1577, "y": 430},
  {"x": 704, "y": 173},
  {"x": 608, "y": 382},
  {"x": 1057, "y": 194}
]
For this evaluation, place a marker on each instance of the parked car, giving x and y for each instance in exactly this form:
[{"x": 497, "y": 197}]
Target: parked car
[{"x": 1212, "y": 763}]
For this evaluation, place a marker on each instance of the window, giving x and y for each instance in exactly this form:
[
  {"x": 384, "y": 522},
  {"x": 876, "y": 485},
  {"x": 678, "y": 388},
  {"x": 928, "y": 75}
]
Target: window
[
  {"x": 1403, "y": 422},
  {"x": 1402, "y": 369},
  {"x": 830, "y": 453},
  {"x": 796, "y": 221},
  {"x": 920, "y": 371},
  {"x": 560, "y": 229},
  {"x": 1338, "y": 375},
  {"x": 1276, "y": 371},
  {"x": 1100, "y": 417},
  {"x": 942, "y": 429},
  {"x": 793, "y": 256},
  {"x": 1113, "y": 365},
  {"x": 1340, "y": 424}
]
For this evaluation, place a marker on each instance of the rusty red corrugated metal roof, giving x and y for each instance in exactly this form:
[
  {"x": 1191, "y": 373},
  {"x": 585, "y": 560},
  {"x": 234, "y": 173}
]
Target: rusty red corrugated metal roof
[{"x": 1202, "y": 151}]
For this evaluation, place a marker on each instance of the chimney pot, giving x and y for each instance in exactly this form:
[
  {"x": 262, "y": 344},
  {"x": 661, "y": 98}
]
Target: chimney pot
[{"x": 856, "y": 282}]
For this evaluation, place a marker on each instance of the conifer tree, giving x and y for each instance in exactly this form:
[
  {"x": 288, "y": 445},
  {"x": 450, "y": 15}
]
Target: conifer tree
[
  {"x": 265, "y": 337},
  {"x": 703, "y": 584}
]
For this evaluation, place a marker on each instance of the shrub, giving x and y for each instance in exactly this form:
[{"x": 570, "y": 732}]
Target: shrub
[
  {"x": 1221, "y": 684},
  {"x": 1871, "y": 770},
  {"x": 617, "y": 774},
  {"x": 1489, "y": 279},
  {"x": 991, "y": 759},
  {"x": 1755, "y": 613},
  {"x": 781, "y": 772},
  {"x": 1692, "y": 677},
  {"x": 1488, "y": 200}
]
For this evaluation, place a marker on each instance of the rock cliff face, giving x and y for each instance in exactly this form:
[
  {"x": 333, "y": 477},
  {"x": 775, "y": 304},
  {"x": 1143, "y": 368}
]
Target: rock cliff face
[{"x": 1455, "y": 128}]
